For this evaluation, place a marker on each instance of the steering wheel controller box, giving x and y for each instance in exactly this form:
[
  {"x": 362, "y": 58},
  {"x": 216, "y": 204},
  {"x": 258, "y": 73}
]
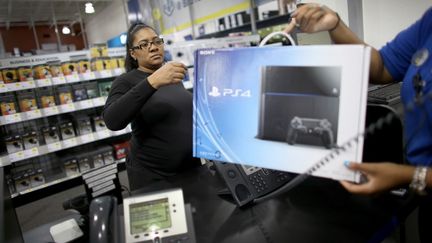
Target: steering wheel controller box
[{"x": 282, "y": 108}]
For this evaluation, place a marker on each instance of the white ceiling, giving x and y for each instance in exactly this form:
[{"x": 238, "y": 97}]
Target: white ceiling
[{"x": 26, "y": 12}]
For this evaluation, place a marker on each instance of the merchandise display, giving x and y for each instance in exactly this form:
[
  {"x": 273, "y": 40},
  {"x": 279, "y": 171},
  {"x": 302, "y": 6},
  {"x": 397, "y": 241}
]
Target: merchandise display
[
  {"x": 287, "y": 118},
  {"x": 8, "y": 104},
  {"x": 79, "y": 92},
  {"x": 55, "y": 69},
  {"x": 9, "y": 75},
  {"x": 100, "y": 63},
  {"x": 69, "y": 68},
  {"x": 41, "y": 71},
  {"x": 27, "y": 100},
  {"x": 98, "y": 50},
  {"x": 44, "y": 128},
  {"x": 64, "y": 94},
  {"x": 67, "y": 130},
  {"x": 25, "y": 73},
  {"x": 30, "y": 140},
  {"x": 46, "y": 97},
  {"x": 50, "y": 134},
  {"x": 83, "y": 66},
  {"x": 104, "y": 88}
]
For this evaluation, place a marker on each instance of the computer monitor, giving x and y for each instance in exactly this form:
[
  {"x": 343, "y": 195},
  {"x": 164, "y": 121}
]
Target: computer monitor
[{"x": 10, "y": 229}]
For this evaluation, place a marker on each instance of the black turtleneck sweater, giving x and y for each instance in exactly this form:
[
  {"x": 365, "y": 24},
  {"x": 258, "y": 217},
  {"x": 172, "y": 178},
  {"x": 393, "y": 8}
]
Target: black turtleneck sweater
[{"x": 161, "y": 122}]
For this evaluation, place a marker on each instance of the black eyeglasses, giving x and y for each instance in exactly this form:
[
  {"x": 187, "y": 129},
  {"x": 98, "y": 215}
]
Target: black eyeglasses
[{"x": 157, "y": 41}]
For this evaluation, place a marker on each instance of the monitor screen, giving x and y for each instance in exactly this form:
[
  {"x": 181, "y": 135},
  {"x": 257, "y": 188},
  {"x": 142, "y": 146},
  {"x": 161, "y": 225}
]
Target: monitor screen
[{"x": 149, "y": 216}]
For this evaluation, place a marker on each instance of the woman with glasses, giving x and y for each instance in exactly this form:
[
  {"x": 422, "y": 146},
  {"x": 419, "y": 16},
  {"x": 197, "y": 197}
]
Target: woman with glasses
[
  {"x": 151, "y": 96},
  {"x": 408, "y": 57}
]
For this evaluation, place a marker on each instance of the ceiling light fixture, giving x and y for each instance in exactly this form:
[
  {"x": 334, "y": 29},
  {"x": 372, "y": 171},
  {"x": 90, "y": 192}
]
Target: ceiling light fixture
[
  {"x": 89, "y": 8},
  {"x": 66, "y": 30}
]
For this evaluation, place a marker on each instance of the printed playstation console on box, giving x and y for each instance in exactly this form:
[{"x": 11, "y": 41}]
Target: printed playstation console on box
[{"x": 281, "y": 108}]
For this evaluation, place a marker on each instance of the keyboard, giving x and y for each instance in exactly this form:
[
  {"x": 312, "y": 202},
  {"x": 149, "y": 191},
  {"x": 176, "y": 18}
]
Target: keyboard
[{"x": 384, "y": 94}]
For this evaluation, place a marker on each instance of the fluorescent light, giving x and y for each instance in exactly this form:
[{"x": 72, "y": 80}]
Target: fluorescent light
[
  {"x": 123, "y": 38},
  {"x": 89, "y": 8},
  {"x": 66, "y": 30}
]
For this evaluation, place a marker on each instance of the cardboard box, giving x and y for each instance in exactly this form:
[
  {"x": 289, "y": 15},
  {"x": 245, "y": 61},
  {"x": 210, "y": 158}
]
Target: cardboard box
[{"x": 283, "y": 108}]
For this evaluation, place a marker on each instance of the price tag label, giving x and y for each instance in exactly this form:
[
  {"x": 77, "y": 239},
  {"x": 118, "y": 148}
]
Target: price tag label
[
  {"x": 58, "y": 80},
  {"x": 12, "y": 118},
  {"x": 49, "y": 111},
  {"x": 85, "y": 104},
  {"x": 43, "y": 82},
  {"x": 118, "y": 71},
  {"x": 16, "y": 156},
  {"x": 105, "y": 73},
  {"x": 71, "y": 142},
  {"x": 100, "y": 101},
  {"x": 3, "y": 88},
  {"x": 88, "y": 76},
  {"x": 33, "y": 114},
  {"x": 73, "y": 78},
  {"x": 87, "y": 138},
  {"x": 14, "y": 86},
  {"x": 104, "y": 134},
  {"x": 67, "y": 108},
  {"x": 28, "y": 84},
  {"x": 29, "y": 153},
  {"x": 51, "y": 147}
]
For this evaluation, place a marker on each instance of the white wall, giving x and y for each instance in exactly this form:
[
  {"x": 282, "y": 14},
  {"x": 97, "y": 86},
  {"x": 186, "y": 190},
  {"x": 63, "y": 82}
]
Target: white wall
[
  {"x": 383, "y": 19},
  {"x": 106, "y": 24}
]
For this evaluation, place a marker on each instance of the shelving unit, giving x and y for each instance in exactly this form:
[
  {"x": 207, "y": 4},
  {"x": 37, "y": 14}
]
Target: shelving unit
[{"x": 30, "y": 155}]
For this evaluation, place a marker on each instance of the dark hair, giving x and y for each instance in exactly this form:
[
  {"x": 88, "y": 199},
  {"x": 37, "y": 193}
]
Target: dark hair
[{"x": 130, "y": 63}]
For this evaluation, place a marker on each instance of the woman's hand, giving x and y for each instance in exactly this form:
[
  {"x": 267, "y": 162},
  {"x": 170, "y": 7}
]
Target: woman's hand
[
  {"x": 379, "y": 177},
  {"x": 169, "y": 73},
  {"x": 311, "y": 18}
]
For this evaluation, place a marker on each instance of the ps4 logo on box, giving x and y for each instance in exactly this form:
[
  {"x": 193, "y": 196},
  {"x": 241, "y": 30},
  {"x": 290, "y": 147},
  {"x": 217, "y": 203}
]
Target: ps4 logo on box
[
  {"x": 215, "y": 92},
  {"x": 207, "y": 52}
]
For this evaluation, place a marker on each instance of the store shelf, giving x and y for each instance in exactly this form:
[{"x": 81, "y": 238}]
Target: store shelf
[
  {"x": 51, "y": 183},
  {"x": 74, "y": 78},
  {"x": 269, "y": 22},
  {"x": 51, "y": 111},
  {"x": 64, "y": 144}
]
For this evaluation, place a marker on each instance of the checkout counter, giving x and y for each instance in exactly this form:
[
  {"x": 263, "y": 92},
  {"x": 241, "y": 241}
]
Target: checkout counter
[{"x": 318, "y": 210}]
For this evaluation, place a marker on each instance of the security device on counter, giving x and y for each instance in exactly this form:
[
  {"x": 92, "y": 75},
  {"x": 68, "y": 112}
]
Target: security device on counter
[
  {"x": 67, "y": 130},
  {"x": 50, "y": 134},
  {"x": 8, "y": 104},
  {"x": 102, "y": 181},
  {"x": 156, "y": 217},
  {"x": 30, "y": 139}
]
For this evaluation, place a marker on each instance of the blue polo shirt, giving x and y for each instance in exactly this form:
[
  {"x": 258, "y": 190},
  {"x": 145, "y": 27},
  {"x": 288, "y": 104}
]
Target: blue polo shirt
[{"x": 397, "y": 55}]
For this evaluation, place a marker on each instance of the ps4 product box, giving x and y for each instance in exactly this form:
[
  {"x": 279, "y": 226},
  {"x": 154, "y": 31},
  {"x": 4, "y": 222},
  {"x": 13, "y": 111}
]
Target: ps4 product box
[{"x": 283, "y": 108}]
